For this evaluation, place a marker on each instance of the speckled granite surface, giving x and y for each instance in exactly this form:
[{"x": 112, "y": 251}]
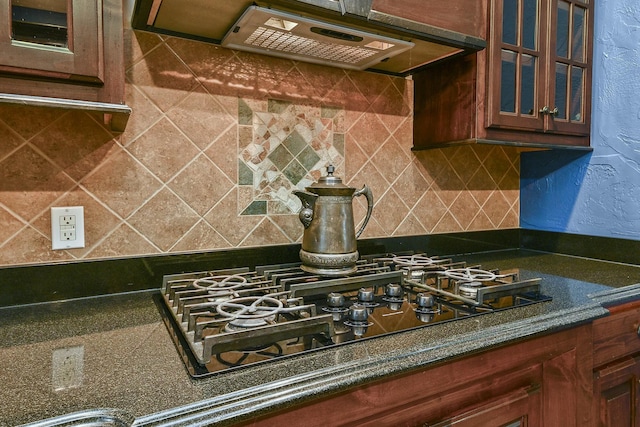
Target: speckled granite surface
[{"x": 130, "y": 362}]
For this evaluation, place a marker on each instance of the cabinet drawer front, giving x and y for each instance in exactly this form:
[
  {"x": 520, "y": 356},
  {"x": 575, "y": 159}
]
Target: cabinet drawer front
[{"x": 616, "y": 336}]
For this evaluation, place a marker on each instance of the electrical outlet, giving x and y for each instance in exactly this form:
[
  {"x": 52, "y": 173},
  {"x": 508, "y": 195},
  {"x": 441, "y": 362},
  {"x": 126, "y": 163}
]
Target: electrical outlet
[
  {"x": 67, "y": 227},
  {"x": 67, "y": 367}
]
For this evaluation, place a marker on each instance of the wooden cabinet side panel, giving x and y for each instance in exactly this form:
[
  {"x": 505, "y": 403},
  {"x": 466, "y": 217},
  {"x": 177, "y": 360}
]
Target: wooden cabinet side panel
[{"x": 445, "y": 102}]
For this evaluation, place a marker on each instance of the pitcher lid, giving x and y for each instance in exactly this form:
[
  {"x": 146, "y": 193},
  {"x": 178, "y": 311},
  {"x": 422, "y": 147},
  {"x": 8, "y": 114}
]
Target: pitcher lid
[{"x": 329, "y": 182}]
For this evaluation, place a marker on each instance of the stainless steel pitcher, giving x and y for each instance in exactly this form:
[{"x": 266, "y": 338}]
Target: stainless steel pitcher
[{"x": 329, "y": 245}]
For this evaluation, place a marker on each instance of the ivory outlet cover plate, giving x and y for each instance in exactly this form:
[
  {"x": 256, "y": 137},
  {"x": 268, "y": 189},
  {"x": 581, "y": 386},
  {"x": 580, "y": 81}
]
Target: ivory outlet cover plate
[{"x": 67, "y": 227}]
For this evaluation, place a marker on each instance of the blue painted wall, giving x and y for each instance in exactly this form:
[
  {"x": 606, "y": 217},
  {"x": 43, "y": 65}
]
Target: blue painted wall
[{"x": 598, "y": 193}]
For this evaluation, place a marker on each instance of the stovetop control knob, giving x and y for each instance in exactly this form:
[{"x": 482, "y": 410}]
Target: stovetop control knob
[
  {"x": 393, "y": 290},
  {"x": 358, "y": 313},
  {"x": 424, "y": 300},
  {"x": 365, "y": 295},
  {"x": 335, "y": 299}
]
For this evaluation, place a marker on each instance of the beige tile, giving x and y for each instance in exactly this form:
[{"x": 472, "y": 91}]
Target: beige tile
[
  {"x": 226, "y": 221},
  {"x": 162, "y": 77},
  {"x": 224, "y": 153},
  {"x": 464, "y": 209},
  {"x": 391, "y": 160},
  {"x": 9, "y": 140},
  {"x": 164, "y": 219},
  {"x": 369, "y": 133},
  {"x": 77, "y": 152},
  {"x": 411, "y": 185},
  {"x": 265, "y": 233},
  {"x": 321, "y": 79},
  {"x": 9, "y": 225},
  {"x": 390, "y": 211},
  {"x": 201, "y": 118},
  {"x": 290, "y": 226},
  {"x": 392, "y": 104},
  {"x": 447, "y": 224},
  {"x": 122, "y": 183},
  {"x": 184, "y": 131},
  {"x": 123, "y": 241},
  {"x": 26, "y": 121},
  {"x": 201, "y": 237},
  {"x": 410, "y": 226},
  {"x": 496, "y": 207},
  {"x": 372, "y": 87},
  {"x": 29, "y": 246},
  {"x": 429, "y": 210},
  {"x": 201, "y": 184},
  {"x": 29, "y": 183},
  {"x": 144, "y": 114},
  {"x": 163, "y": 149}
]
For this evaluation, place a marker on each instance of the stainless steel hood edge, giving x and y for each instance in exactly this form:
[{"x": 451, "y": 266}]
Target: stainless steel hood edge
[{"x": 210, "y": 20}]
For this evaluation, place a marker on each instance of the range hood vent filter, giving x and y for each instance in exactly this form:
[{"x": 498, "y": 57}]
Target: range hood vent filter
[{"x": 285, "y": 35}]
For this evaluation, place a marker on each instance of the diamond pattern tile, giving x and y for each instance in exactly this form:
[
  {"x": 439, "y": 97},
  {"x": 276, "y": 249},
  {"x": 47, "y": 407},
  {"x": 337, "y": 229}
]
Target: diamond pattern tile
[
  {"x": 26, "y": 173},
  {"x": 164, "y": 219},
  {"x": 217, "y": 141},
  {"x": 153, "y": 149},
  {"x": 201, "y": 184},
  {"x": 122, "y": 184}
]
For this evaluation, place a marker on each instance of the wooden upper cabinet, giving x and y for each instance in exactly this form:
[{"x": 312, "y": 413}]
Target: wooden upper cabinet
[
  {"x": 530, "y": 87},
  {"x": 64, "y": 53},
  {"x": 538, "y": 66},
  {"x": 54, "y": 39}
]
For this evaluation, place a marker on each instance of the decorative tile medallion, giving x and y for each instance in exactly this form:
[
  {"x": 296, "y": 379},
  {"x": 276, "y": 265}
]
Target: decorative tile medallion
[{"x": 286, "y": 147}]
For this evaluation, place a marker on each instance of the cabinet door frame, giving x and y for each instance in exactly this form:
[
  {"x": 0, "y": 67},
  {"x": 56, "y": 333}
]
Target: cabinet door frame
[
  {"x": 564, "y": 125},
  {"x": 495, "y": 117},
  {"x": 614, "y": 382},
  {"x": 83, "y": 61},
  {"x": 545, "y": 83}
]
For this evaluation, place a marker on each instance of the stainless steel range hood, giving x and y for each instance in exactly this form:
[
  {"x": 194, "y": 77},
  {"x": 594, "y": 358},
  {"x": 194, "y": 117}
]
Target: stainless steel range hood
[
  {"x": 286, "y": 35},
  {"x": 354, "y": 34}
]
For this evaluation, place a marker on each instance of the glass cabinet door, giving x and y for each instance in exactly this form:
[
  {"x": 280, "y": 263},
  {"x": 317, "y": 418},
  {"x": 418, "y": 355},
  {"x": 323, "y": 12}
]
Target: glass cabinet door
[
  {"x": 517, "y": 66},
  {"x": 569, "y": 66},
  {"x": 539, "y": 68},
  {"x": 54, "y": 39}
]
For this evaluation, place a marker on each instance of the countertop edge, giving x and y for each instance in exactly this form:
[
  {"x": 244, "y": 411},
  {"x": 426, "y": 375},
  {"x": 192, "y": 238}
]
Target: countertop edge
[{"x": 260, "y": 400}]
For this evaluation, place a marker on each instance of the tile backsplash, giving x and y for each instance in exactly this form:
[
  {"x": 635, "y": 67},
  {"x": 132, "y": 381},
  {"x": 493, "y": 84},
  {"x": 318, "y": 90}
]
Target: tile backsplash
[{"x": 217, "y": 141}]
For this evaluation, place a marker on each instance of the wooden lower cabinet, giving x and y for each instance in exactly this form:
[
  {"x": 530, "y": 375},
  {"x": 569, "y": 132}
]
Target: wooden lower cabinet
[
  {"x": 544, "y": 381},
  {"x": 616, "y": 347},
  {"x": 616, "y": 388}
]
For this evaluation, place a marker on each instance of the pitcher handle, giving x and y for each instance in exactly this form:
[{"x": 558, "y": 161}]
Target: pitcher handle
[{"x": 369, "y": 195}]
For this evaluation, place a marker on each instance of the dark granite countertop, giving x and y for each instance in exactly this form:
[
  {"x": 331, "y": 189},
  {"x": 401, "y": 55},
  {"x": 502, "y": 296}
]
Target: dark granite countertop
[{"x": 130, "y": 362}]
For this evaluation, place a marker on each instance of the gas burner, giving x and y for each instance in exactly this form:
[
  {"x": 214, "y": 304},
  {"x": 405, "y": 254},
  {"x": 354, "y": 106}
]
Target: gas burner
[
  {"x": 470, "y": 275},
  {"x": 416, "y": 266},
  {"x": 249, "y": 312},
  {"x": 221, "y": 286},
  {"x": 414, "y": 260},
  {"x": 469, "y": 289}
]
